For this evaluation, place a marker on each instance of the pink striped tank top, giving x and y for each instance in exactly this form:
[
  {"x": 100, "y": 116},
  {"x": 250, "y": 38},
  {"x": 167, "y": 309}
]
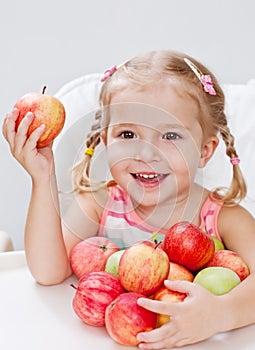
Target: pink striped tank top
[{"x": 121, "y": 224}]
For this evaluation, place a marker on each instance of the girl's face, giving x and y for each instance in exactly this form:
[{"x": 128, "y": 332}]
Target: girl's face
[{"x": 154, "y": 144}]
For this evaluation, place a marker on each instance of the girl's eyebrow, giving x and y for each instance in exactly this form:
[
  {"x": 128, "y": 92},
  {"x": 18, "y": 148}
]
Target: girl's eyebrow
[
  {"x": 165, "y": 126},
  {"x": 160, "y": 127},
  {"x": 124, "y": 124}
]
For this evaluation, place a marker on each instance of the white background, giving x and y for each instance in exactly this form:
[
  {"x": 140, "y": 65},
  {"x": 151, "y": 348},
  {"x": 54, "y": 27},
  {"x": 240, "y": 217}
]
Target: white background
[{"x": 50, "y": 42}]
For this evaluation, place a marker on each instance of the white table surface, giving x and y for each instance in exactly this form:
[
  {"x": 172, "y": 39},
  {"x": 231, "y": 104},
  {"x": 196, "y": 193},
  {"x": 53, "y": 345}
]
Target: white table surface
[{"x": 35, "y": 317}]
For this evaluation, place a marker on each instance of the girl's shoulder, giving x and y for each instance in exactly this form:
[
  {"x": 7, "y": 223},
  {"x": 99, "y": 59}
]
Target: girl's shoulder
[
  {"x": 231, "y": 214},
  {"x": 84, "y": 212},
  {"x": 235, "y": 222},
  {"x": 97, "y": 201},
  {"x": 93, "y": 201}
]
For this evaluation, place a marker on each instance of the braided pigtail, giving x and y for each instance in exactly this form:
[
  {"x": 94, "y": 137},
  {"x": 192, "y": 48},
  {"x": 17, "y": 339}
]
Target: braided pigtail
[
  {"x": 81, "y": 171},
  {"x": 216, "y": 121},
  {"x": 237, "y": 190}
]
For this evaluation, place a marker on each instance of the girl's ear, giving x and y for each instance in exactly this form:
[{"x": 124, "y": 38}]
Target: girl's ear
[{"x": 208, "y": 150}]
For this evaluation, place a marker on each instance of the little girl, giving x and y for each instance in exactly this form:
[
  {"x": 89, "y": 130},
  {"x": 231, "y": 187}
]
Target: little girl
[{"x": 160, "y": 118}]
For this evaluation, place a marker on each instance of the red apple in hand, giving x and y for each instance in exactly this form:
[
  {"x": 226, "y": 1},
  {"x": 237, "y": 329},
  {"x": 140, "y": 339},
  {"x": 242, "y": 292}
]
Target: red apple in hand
[
  {"x": 124, "y": 319},
  {"x": 91, "y": 255},
  {"x": 165, "y": 294},
  {"x": 143, "y": 267},
  {"x": 231, "y": 260},
  {"x": 187, "y": 245},
  {"x": 96, "y": 290},
  {"x": 47, "y": 110}
]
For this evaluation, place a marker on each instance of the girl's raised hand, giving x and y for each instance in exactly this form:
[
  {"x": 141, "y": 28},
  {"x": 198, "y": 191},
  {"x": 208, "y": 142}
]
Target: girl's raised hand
[
  {"x": 187, "y": 323},
  {"x": 37, "y": 162}
]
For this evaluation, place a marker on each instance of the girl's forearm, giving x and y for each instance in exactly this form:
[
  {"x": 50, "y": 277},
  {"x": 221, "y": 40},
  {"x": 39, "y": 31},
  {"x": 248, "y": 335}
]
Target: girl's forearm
[
  {"x": 239, "y": 305},
  {"x": 44, "y": 244}
]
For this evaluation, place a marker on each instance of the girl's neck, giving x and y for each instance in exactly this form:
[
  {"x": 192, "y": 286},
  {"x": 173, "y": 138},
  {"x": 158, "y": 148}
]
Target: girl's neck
[{"x": 166, "y": 214}]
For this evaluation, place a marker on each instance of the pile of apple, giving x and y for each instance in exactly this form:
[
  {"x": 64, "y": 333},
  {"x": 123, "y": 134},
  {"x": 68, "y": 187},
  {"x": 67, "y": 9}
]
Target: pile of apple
[{"x": 111, "y": 280}]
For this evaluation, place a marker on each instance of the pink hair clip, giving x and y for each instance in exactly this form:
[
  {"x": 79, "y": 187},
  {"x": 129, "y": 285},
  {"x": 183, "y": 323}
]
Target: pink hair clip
[
  {"x": 205, "y": 80},
  {"x": 235, "y": 160},
  {"x": 109, "y": 72}
]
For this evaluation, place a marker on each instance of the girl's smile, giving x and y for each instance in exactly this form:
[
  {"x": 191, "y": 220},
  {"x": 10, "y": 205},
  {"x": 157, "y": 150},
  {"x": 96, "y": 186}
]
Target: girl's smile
[{"x": 149, "y": 179}]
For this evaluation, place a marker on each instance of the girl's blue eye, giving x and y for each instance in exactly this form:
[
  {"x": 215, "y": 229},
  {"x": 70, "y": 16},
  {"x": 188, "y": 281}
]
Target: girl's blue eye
[
  {"x": 171, "y": 136},
  {"x": 127, "y": 135}
]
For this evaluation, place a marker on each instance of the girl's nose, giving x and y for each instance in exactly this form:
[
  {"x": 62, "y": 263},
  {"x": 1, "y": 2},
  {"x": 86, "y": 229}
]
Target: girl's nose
[{"x": 147, "y": 152}]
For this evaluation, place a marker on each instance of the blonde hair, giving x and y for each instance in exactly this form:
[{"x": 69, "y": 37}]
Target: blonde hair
[{"x": 152, "y": 67}]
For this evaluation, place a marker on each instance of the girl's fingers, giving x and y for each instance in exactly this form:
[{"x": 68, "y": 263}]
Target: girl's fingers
[
  {"x": 21, "y": 134},
  {"x": 158, "y": 338},
  {"x": 180, "y": 286},
  {"x": 18, "y": 139},
  {"x": 8, "y": 127},
  {"x": 160, "y": 307},
  {"x": 34, "y": 137}
]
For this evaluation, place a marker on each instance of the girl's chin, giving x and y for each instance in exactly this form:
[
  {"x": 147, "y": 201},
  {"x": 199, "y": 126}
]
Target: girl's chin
[
  {"x": 145, "y": 195},
  {"x": 136, "y": 187}
]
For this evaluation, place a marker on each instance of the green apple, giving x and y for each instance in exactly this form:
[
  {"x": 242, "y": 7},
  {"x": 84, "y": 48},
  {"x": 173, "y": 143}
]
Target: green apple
[
  {"x": 218, "y": 280},
  {"x": 218, "y": 244},
  {"x": 112, "y": 263}
]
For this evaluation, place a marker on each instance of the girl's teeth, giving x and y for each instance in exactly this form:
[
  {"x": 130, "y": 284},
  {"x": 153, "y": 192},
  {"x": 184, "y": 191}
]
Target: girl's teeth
[{"x": 147, "y": 176}]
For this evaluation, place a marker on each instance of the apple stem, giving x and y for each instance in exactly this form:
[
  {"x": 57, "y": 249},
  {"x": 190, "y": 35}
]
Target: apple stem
[
  {"x": 103, "y": 247},
  {"x": 73, "y": 286},
  {"x": 44, "y": 88},
  {"x": 157, "y": 244}
]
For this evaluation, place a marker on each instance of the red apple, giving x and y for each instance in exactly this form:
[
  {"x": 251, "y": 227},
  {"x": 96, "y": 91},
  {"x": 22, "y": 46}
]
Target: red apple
[
  {"x": 143, "y": 267},
  {"x": 231, "y": 260},
  {"x": 47, "y": 110},
  {"x": 179, "y": 272},
  {"x": 165, "y": 294},
  {"x": 91, "y": 255},
  {"x": 95, "y": 291},
  {"x": 187, "y": 245},
  {"x": 124, "y": 319}
]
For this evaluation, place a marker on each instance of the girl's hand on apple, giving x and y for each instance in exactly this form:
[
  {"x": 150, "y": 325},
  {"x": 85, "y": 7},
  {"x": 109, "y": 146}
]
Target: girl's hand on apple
[
  {"x": 187, "y": 324},
  {"x": 37, "y": 162}
]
